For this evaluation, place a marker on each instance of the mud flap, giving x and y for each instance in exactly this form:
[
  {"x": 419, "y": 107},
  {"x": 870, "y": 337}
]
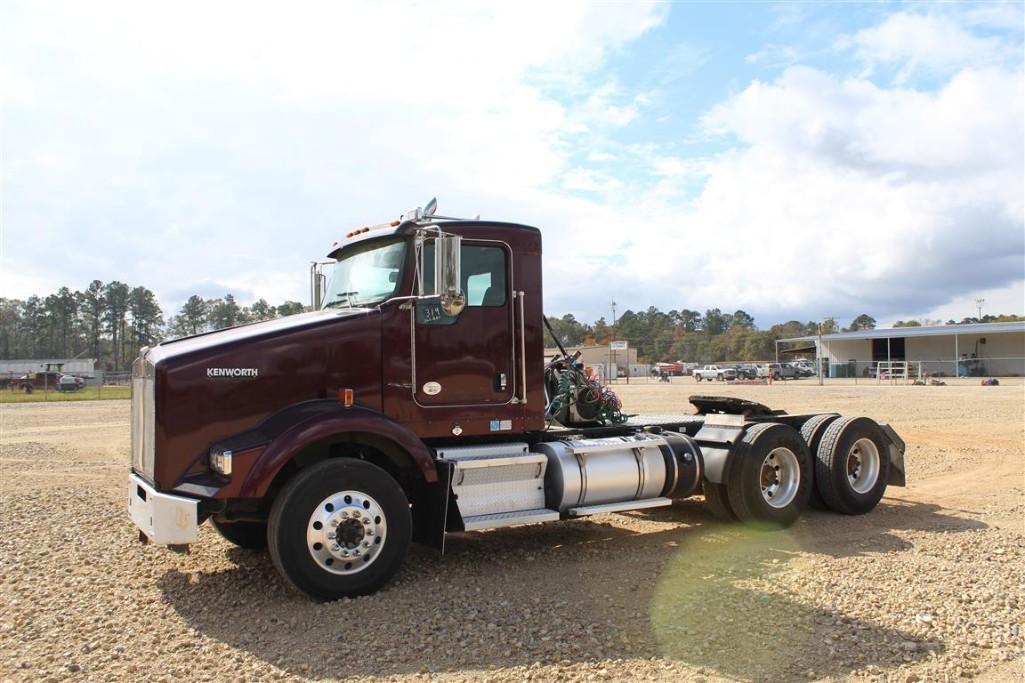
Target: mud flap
[
  {"x": 432, "y": 509},
  {"x": 896, "y": 447}
]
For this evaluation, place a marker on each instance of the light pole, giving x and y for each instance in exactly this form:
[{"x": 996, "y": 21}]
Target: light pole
[{"x": 978, "y": 305}]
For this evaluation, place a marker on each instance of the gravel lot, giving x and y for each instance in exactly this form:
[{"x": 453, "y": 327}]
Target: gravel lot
[{"x": 929, "y": 587}]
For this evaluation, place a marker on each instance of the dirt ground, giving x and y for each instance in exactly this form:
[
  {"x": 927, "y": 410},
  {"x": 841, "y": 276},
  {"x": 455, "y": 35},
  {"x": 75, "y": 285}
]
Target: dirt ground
[{"x": 928, "y": 587}]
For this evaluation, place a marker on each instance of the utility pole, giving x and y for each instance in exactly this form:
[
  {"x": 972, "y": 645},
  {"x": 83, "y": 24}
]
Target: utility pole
[
  {"x": 613, "y": 370},
  {"x": 978, "y": 305}
]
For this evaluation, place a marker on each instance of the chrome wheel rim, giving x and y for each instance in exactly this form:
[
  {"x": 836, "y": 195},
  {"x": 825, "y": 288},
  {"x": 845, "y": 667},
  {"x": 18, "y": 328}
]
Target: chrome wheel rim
[
  {"x": 863, "y": 465},
  {"x": 346, "y": 532},
  {"x": 780, "y": 477}
]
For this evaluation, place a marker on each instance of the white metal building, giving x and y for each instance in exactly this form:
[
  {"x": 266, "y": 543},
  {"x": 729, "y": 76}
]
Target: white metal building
[
  {"x": 979, "y": 350},
  {"x": 71, "y": 366}
]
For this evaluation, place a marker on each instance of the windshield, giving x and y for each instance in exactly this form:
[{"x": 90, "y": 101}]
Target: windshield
[{"x": 366, "y": 273}]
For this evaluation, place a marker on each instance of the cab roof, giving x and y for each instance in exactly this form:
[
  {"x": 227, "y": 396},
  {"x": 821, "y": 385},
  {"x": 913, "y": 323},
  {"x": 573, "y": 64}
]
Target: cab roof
[{"x": 463, "y": 227}]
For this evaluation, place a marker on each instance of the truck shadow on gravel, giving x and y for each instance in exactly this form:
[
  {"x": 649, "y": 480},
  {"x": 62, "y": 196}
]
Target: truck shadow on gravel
[{"x": 669, "y": 584}]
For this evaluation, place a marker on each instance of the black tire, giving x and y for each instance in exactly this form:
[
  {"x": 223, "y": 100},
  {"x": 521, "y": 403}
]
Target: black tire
[
  {"x": 718, "y": 502},
  {"x": 811, "y": 432},
  {"x": 294, "y": 507},
  {"x": 27, "y": 388},
  {"x": 719, "y": 377},
  {"x": 744, "y": 481},
  {"x": 248, "y": 535},
  {"x": 697, "y": 377},
  {"x": 839, "y": 443}
]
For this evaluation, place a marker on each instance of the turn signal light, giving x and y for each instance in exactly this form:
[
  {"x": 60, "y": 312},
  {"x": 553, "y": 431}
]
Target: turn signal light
[{"x": 345, "y": 396}]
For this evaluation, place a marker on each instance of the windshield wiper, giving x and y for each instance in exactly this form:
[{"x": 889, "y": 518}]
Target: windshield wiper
[{"x": 346, "y": 298}]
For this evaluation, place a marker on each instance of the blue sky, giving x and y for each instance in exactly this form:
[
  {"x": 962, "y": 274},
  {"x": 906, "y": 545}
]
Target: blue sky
[{"x": 796, "y": 160}]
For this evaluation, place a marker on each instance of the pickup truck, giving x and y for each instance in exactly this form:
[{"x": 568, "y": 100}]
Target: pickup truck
[
  {"x": 778, "y": 370},
  {"x": 711, "y": 372}
]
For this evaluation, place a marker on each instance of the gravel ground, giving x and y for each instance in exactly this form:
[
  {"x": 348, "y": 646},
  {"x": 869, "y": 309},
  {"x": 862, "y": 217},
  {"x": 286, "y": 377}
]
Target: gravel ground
[{"x": 929, "y": 587}]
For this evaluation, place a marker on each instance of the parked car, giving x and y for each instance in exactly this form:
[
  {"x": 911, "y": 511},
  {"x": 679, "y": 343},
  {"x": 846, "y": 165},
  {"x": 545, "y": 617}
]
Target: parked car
[
  {"x": 70, "y": 383},
  {"x": 747, "y": 371},
  {"x": 804, "y": 368},
  {"x": 711, "y": 372},
  {"x": 778, "y": 370}
]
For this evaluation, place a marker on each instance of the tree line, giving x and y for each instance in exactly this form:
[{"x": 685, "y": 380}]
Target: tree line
[
  {"x": 712, "y": 336},
  {"x": 112, "y": 321}
]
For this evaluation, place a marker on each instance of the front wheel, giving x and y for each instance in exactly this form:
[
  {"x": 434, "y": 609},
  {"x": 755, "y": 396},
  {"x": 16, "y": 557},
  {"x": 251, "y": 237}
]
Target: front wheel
[
  {"x": 770, "y": 479},
  {"x": 340, "y": 528}
]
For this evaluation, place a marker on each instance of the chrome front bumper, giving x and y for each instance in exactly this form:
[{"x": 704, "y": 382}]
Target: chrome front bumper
[{"x": 164, "y": 519}]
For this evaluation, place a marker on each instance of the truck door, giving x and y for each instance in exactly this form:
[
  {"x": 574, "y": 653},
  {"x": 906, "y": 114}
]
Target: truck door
[{"x": 467, "y": 359}]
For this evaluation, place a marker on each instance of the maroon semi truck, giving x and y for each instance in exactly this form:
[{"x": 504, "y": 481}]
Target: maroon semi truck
[{"x": 415, "y": 401}]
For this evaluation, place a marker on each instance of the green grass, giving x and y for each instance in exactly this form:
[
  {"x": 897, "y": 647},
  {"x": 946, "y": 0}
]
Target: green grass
[{"x": 85, "y": 394}]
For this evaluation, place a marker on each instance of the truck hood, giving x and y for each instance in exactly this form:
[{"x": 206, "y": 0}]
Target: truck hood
[{"x": 231, "y": 335}]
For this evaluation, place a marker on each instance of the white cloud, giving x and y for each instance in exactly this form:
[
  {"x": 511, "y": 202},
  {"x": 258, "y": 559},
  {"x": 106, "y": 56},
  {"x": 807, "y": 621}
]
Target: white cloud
[
  {"x": 219, "y": 144},
  {"x": 206, "y": 147},
  {"x": 927, "y": 42},
  {"x": 841, "y": 197}
]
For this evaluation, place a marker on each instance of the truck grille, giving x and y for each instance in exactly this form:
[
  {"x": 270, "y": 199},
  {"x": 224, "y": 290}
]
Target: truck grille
[{"x": 143, "y": 417}]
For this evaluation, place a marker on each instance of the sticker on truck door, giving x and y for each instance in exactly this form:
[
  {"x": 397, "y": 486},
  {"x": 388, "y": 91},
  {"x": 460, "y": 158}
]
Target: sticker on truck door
[{"x": 432, "y": 388}]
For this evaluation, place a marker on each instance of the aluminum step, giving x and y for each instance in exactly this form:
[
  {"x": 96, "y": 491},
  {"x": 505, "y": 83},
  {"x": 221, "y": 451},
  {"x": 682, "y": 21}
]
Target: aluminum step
[
  {"x": 503, "y": 519},
  {"x": 625, "y": 506},
  {"x": 482, "y": 451}
]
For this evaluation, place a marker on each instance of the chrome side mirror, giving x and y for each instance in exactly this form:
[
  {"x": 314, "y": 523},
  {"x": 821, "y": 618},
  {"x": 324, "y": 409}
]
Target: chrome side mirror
[{"x": 447, "y": 274}]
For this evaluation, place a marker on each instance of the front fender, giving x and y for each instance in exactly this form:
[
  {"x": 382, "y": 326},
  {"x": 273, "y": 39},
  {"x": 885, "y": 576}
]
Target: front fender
[{"x": 330, "y": 420}]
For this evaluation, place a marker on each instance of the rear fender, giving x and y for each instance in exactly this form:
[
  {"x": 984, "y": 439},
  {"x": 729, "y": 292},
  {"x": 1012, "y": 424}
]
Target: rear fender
[
  {"x": 321, "y": 427},
  {"x": 716, "y": 438}
]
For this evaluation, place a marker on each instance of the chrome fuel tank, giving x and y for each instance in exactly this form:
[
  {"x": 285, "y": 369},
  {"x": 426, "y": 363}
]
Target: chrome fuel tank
[{"x": 588, "y": 472}]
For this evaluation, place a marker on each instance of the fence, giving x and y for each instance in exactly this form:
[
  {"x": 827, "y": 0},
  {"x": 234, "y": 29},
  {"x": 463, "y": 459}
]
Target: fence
[
  {"x": 45, "y": 386},
  {"x": 910, "y": 370}
]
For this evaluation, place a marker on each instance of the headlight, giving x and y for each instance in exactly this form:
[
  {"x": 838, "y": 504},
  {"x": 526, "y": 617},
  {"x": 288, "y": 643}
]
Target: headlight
[{"x": 220, "y": 461}]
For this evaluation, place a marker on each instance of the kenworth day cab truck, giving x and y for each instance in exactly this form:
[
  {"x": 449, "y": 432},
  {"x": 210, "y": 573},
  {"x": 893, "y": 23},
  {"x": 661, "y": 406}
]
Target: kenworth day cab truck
[{"x": 415, "y": 402}]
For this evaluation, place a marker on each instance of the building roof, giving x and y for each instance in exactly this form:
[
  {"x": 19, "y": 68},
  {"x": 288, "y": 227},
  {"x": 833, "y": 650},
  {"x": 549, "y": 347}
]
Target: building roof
[{"x": 931, "y": 331}]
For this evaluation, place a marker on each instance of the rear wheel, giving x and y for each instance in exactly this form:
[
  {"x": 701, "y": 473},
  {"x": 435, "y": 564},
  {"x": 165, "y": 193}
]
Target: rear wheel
[
  {"x": 770, "y": 478},
  {"x": 811, "y": 432},
  {"x": 249, "y": 535},
  {"x": 340, "y": 528},
  {"x": 852, "y": 465}
]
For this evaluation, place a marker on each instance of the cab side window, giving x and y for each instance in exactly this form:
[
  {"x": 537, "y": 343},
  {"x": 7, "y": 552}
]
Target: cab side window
[
  {"x": 484, "y": 275},
  {"x": 484, "y": 281}
]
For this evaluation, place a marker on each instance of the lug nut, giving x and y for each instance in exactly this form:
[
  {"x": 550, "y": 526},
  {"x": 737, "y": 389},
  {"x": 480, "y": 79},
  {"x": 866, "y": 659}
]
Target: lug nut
[
  {"x": 335, "y": 547},
  {"x": 334, "y": 522},
  {"x": 331, "y": 535}
]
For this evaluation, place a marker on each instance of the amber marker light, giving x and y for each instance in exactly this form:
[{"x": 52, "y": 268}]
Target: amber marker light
[{"x": 345, "y": 396}]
